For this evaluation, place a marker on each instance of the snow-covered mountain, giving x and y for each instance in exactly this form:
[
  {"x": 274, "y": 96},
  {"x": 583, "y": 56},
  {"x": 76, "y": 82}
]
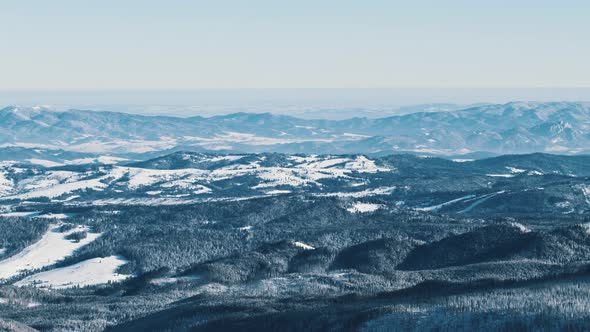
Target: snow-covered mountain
[
  {"x": 555, "y": 183},
  {"x": 518, "y": 127}
]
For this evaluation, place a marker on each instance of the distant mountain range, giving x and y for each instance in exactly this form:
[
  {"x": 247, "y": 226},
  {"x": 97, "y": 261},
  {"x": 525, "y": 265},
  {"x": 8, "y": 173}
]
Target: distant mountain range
[{"x": 518, "y": 127}]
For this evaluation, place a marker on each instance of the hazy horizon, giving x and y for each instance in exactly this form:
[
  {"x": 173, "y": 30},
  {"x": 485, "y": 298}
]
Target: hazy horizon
[{"x": 190, "y": 102}]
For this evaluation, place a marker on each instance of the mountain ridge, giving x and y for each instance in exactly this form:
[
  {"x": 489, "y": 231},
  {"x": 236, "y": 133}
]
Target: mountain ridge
[{"x": 516, "y": 127}]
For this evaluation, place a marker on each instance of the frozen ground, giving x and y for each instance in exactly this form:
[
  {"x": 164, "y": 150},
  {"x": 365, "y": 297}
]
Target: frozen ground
[
  {"x": 86, "y": 273},
  {"x": 50, "y": 249}
]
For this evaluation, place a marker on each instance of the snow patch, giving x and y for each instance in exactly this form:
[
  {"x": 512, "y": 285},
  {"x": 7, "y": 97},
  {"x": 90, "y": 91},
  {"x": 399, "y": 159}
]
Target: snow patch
[
  {"x": 6, "y": 184},
  {"x": 364, "y": 165},
  {"x": 90, "y": 272},
  {"x": 58, "y": 183},
  {"x": 359, "y": 207},
  {"x": 44, "y": 163},
  {"x": 520, "y": 227},
  {"x": 439, "y": 206},
  {"x": 358, "y": 194},
  {"x": 278, "y": 192},
  {"x": 303, "y": 245},
  {"x": 54, "y": 216},
  {"x": 327, "y": 163},
  {"x": 501, "y": 175},
  {"x": 225, "y": 158},
  {"x": 110, "y": 160},
  {"x": 50, "y": 249},
  {"x": 515, "y": 170},
  {"x": 154, "y": 192},
  {"x": 106, "y": 160}
]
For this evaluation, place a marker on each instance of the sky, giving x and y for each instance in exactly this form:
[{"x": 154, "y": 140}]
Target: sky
[
  {"x": 263, "y": 55},
  {"x": 449, "y": 45}
]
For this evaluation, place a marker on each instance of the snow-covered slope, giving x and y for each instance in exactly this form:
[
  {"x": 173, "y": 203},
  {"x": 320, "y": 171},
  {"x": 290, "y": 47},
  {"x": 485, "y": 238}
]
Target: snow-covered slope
[
  {"x": 51, "y": 248},
  {"x": 200, "y": 176},
  {"x": 428, "y": 184},
  {"x": 90, "y": 272},
  {"x": 359, "y": 207}
]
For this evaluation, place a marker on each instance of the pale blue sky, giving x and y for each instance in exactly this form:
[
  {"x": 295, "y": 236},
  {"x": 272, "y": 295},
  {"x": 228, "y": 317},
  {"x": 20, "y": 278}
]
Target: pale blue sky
[{"x": 141, "y": 44}]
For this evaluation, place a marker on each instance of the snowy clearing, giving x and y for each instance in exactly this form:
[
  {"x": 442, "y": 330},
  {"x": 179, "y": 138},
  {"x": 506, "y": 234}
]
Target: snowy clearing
[
  {"x": 359, "y": 207},
  {"x": 364, "y": 165},
  {"x": 44, "y": 163},
  {"x": 301, "y": 172},
  {"x": 50, "y": 249},
  {"x": 278, "y": 192},
  {"x": 225, "y": 158},
  {"x": 6, "y": 184},
  {"x": 520, "y": 227},
  {"x": 90, "y": 272},
  {"x": 515, "y": 170},
  {"x": 303, "y": 245},
  {"x": 63, "y": 188},
  {"x": 365, "y": 193},
  {"x": 54, "y": 216},
  {"x": 439, "y": 206}
]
